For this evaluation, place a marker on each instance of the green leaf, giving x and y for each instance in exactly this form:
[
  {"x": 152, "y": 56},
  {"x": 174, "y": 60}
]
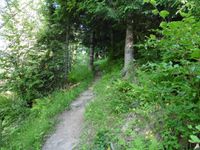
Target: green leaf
[
  {"x": 163, "y": 24},
  {"x": 155, "y": 11},
  {"x": 198, "y": 127},
  {"x": 164, "y": 14},
  {"x": 183, "y": 14},
  {"x": 153, "y": 37},
  {"x": 153, "y": 2},
  {"x": 146, "y": 1},
  {"x": 194, "y": 139},
  {"x": 190, "y": 126},
  {"x": 195, "y": 54}
]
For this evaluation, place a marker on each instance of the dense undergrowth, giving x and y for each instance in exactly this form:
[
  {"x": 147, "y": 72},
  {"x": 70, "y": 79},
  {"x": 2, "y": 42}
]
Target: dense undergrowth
[
  {"x": 111, "y": 120},
  {"x": 25, "y": 128},
  {"x": 160, "y": 107},
  {"x": 156, "y": 107},
  {"x": 139, "y": 116}
]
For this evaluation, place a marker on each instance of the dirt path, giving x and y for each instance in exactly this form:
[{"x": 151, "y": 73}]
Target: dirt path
[{"x": 68, "y": 130}]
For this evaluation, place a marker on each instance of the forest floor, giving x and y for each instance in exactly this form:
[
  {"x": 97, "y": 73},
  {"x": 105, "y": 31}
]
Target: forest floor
[{"x": 68, "y": 130}]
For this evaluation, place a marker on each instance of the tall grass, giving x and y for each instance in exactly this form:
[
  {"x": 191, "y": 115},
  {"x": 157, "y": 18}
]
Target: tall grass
[
  {"x": 110, "y": 117},
  {"x": 41, "y": 118}
]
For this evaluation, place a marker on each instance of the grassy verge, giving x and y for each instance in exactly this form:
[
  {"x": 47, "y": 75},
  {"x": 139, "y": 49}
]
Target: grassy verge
[
  {"x": 29, "y": 132},
  {"x": 111, "y": 120},
  {"x": 154, "y": 112}
]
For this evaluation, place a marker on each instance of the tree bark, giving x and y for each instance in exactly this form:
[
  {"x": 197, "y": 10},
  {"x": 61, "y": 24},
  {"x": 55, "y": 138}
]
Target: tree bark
[
  {"x": 129, "y": 50},
  {"x": 92, "y": 46}
]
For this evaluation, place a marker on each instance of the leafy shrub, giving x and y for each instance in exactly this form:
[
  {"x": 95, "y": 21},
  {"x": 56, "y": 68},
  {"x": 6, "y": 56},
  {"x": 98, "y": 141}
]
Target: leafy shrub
[
  {"x": 120, "y": 99},
  {"x": 80, "y": 73},
  {"x": 174, "y": 83},
  {"x": 166, "y": 91},
  {"x": 12, "y": 113},
  {"x": 21, "y": 130},
  {"x": 101, "y": 141},
  {"x": 106, "y": 116}
]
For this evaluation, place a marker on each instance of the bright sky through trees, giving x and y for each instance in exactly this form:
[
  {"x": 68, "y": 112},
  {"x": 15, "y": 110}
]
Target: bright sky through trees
[
  {"x": 25, "y": 12},
  {"x": 2, "y": 6}
]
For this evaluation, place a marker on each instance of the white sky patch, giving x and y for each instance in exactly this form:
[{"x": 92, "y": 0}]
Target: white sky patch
[
  {"x": 2, "y": 8},
  {"x": 2, "y": 4},
  {"x": 26, "y": 14}
]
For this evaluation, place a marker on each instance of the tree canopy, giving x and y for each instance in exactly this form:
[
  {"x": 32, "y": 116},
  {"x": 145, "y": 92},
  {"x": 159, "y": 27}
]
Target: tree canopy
[{"x": 55, "y": 45}]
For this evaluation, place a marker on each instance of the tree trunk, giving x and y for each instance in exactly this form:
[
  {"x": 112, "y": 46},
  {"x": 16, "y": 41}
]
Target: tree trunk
[
  {"x": 128, "y": 51},
  {"x": 92, "y": 46}
]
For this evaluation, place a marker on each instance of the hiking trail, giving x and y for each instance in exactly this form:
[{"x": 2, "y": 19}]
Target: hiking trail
[{"x": 68, "y": 130}]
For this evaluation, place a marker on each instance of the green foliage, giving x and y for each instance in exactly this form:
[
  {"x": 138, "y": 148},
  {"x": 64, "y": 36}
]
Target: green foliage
[
  {"x": 79, "y": 73},
  {"x": 26, "y": 134},
  {"x": 166, "y": 92},
  {"x": 173, "y": 94},
  {"x": 106, "y": 116},
  {"x": 121, "y": 92},
  {"x": 98, "y": 113},
  {"x": 27, "y": 69},
  {"x": 194, "y": 137},
  {"x": 80, "y": 70},
  {"x": 164, "y": 14},
  {"x": 160, "y": 96},
  {"x": 101, "y": 140},
  {"x": 141, "y": 144},
  {"x": 12, "y": 113},
  {"x": 174, "y": 82},
  {"x": 186, "y": 46}
]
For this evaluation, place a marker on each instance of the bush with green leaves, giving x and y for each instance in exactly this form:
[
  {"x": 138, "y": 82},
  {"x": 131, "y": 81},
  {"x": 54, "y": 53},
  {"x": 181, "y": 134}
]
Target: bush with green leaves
[
  {"x": 194, "y": 136},
  {"x": 166, "y": 93},
  {"x": 174, "y": 83},
  {"x": 176, "y": 96},
  {"x": 12, "y": 114},
  {"x": 79, "y": 73},
  {"x": 24, "y": 128},
  {"x": 106, "y": 116}
]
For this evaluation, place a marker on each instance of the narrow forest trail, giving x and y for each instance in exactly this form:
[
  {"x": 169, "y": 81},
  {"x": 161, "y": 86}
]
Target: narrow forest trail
[{"x": 68, "y": 130}]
